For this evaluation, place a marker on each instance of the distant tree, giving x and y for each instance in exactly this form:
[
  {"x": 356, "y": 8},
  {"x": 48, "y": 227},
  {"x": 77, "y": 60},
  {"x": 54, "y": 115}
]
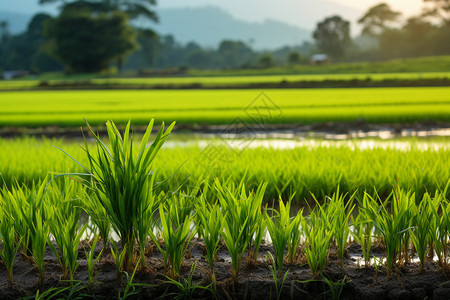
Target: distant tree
[
  {"x": 392, "y": 44},
  {"x": 198, "y": 59},
  {"x": 332, "y": 36},
  {"x": 377, "y": 19},
  {"x": 24, "y": 51},
  {"x": 234, "y": 53},
  {"x": 438, "y": 9},
  {"x": 294, "y": 58},
  {"x": 266, "y": 60},
  {"x": 85, "y": 41},
  {"x": 418, "y": 35},
  {"x": 133, "y": 8},
  {"x": 4, "y": 31},
  {"x": 192, "y": 46},
  {"x": 146, "y": 55}
]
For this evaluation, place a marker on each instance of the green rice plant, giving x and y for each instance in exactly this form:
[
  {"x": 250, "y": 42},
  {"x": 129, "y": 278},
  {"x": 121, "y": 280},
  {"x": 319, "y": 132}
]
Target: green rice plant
[
  {"x": 9, "y": 244},
  {"x": 241, "y": 211},
  {"x": 119, "y": 257},
  {"x": 280, "y": 227},
  {"x": 130, "y": 288},
  {"x": 439, "y": 227},
  {"x": 318, "y": 237},
  {"x": 30, "y": 213},
  {"x": 146, "y": 223},
  {"x": 362, "y": 227},
  {"x": 392, "y": 225},
  {"x": 404, "y": 205},
  {"x": 186, "y": 287},
  {"x": 23, "y": 204},
  {"x": 335, "y": 288},
  {"x": 210, "y": 223},
  {"x": 176, "y": 233},
  {"x": 98, "y": 216},
  {"x": 120, "y": 178},
  {"x": 339, "y": 211},
  {"x": 294, "y": 238},
  {"x": 60, "y": 293},
  {"x": 64, "y": 225},
  {"x": 274, "y": 270},
  {"x": 421, "y": 236},
  {"x": 39, "y": 240},
  {"x": 67, "y": 237},
  {"x": 255, "y": 243},
  {"x": 91, "y": 263}
]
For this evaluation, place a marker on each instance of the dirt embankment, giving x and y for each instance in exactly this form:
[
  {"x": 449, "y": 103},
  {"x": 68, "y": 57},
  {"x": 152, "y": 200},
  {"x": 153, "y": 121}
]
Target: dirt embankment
[{"x": 311, "y": 130}]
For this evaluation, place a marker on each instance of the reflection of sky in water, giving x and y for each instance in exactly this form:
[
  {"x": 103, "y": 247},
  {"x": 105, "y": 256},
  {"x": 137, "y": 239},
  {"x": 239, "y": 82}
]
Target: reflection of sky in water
[{"x": 356, "y": 140}]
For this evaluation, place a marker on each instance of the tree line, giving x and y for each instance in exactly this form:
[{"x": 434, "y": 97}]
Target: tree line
[{"x": 93, "y": 35}]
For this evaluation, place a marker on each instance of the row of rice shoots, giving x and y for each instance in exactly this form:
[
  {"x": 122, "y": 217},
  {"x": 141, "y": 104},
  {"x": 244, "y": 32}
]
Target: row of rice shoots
[{"x": 49, "y": 215}]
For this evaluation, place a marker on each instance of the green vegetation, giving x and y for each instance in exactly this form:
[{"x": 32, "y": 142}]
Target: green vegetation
[
  {"x": 313, "y": 167},
  {"x": 281, "y": 228},
  {"x": 120, "y": 180},
  {"x": 223, "y": 107},
  {"x": 235, "y": 203}
]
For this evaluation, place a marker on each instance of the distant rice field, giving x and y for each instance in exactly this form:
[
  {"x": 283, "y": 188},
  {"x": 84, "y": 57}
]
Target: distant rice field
[{"x": 299, "y": 106}]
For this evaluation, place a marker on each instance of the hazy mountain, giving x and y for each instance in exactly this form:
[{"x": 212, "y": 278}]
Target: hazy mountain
[
  {"x": 209, "y": 25},
  {"x": 17, "y": 22},
  {"x": 205, "y": 25}
]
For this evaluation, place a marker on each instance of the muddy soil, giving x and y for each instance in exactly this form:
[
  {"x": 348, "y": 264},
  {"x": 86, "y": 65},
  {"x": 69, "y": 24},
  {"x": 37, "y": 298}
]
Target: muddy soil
[{"x": 255, "y": 281}]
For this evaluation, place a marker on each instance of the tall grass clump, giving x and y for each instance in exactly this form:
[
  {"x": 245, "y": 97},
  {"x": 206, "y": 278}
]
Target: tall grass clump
[
  {"x": 339, "y": 211},
  {"x": 362, "y": 227},
  {"x": 242, "y": 213},
  {"x": 98, "y": 216},
  {"x": 176, "y": 217},
  {"x": 120, "y": 177},
  {"x": 9, "y": 244},
  {"x": 421, "y": 233},
  {"x": 280, "y": 227},
  {"x": 65, "y": 207},
  {"x": 393, "y": 222},
  {"x": 318, "y": 237},
  {"x": 210, "y": 223},
  {"x": 30, "y": 212},
  {"x": 439, "y": 227},
  {"x": 23, "y": 205}
]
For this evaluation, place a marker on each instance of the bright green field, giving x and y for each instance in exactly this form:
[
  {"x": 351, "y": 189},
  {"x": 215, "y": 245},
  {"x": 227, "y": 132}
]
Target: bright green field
[
  {"x": 318, "y": 169},
  {"x": 223, "y": 81},
  {"x": 67, "y": 108}
]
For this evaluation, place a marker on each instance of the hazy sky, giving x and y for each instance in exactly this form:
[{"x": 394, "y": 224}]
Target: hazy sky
[
  {"x": 303, "y": 13},
  {"x": 408, "y": 7},
  {"x": 296, "y": 11}
]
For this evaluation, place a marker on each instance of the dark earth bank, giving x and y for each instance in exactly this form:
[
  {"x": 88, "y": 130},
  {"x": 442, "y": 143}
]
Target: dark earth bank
[{"x": 244, "y": 130}]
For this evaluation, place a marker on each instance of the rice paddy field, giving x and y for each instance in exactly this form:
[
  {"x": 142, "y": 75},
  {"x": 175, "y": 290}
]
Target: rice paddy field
[
  {"x": 412, "y": 164},
  {"x": 159, "y": 214},
  {"x": 380, "y": 105}
]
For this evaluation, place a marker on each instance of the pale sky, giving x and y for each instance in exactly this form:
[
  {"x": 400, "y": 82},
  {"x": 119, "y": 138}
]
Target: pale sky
[
  {"x": 303, "y": 13},
  {"x": 408, "y": 7}
]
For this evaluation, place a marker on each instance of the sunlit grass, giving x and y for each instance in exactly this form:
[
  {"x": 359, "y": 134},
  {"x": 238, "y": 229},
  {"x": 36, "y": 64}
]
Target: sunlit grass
[{"x": 302, "y": 106}]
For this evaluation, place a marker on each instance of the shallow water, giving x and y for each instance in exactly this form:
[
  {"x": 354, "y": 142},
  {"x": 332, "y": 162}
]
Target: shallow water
[{"x": 292, "y": 143}]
